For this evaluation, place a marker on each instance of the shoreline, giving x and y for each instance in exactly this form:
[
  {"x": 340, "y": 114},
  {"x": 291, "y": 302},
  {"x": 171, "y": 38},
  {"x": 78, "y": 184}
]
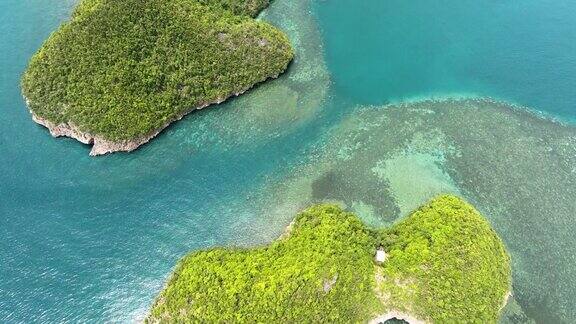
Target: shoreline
[
  {"x": 394, "y": 314},
  {"x": 102, "y": 146}
]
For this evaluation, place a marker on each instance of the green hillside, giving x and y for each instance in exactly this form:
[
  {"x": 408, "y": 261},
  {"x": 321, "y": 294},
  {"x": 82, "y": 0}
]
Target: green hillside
[
  {"x": 445, "y": 264},
  {"x": 123, "y": 69}
]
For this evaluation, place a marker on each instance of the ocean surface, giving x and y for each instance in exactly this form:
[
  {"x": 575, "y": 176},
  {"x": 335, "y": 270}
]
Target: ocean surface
[{"x": 384, "y": 107}]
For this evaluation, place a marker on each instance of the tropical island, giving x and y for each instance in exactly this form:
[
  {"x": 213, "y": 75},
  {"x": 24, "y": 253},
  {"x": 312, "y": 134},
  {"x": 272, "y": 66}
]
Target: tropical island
[
  {"x": 120, "y": 71},
  {"x": 443, "y": 263}
]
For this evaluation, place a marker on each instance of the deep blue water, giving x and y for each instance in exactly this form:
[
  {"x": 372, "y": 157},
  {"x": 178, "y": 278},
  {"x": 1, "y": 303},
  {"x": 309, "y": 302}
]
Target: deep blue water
[{"x": 92, "y": 239}]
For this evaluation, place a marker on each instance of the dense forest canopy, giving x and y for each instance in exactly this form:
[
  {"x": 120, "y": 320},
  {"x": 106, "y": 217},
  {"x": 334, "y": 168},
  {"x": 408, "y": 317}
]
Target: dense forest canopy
[
  {"x": 122, "y": 69},
  {"x": 445, "y": 264}
]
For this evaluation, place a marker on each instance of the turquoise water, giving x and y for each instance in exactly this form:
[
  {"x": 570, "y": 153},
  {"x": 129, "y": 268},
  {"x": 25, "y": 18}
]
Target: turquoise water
[
  {"x": 519, "y": 51},
  {"x": 93, "y": 239}
]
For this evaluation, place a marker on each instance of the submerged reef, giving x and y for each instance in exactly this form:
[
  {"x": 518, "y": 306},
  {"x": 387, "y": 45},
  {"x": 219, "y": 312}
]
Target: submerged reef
[
  {"x": 444, "y": 263},
  {"x": 119, "y": 72},
  {"x": 515, "y": 166}
]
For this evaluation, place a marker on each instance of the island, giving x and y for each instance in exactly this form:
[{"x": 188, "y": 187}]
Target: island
[
  {"x": 441, "y": 264},
  {"x": 120, "y": 71}
]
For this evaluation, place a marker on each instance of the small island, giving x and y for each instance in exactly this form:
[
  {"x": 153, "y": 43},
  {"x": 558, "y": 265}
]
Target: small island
[
  {"x": 443, "y": 263},
  {"x": 121, "y": 71}
]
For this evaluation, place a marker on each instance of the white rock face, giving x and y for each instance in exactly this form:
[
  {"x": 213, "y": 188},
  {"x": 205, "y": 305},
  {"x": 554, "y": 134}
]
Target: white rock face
[{"x": 380, "y": 256}]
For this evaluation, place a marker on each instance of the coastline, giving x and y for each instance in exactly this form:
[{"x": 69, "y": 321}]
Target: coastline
[
  {"x": 102, "y": 146},
  {"x": 394, "y": 314}
]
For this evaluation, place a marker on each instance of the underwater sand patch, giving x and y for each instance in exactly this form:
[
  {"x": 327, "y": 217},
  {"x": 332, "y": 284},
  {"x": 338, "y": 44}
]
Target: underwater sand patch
[{"x": 413, "y": 178}]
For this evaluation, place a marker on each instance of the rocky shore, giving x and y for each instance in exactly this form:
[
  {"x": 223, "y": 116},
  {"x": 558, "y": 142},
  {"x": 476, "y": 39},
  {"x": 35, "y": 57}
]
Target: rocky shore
[
  {"x": 101, "y": 145},
  {"x": 397, "y": 315}
]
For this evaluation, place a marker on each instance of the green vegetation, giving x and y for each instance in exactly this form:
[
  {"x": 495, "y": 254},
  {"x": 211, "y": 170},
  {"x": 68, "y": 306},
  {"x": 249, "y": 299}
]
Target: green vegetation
[
  {"x": 122, "y": 69},
  {"x": 240, "y": 7},
  {"x": 321, "y": 272},
  {"x": 445, "y": 264}
]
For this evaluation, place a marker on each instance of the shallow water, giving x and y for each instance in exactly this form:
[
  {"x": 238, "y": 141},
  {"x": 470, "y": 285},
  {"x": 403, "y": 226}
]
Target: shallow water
[{"x": 93, "y": 239}]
